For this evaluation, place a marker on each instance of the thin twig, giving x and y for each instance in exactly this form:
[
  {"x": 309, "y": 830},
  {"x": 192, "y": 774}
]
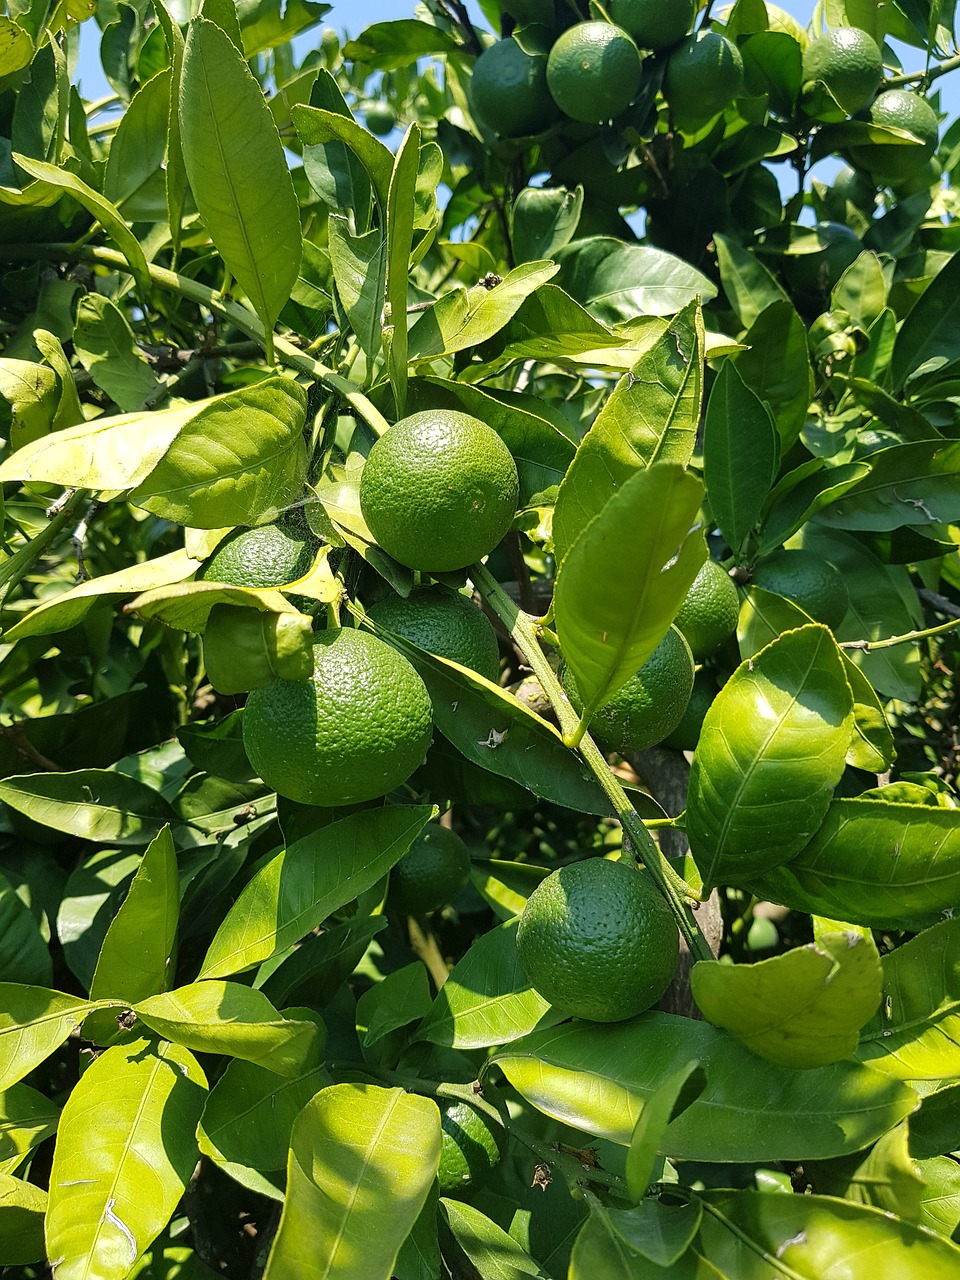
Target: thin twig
[{"x": 927, "y": 77}]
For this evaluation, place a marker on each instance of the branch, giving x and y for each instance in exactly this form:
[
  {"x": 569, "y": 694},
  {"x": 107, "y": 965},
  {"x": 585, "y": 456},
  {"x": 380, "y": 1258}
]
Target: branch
[
  {"x": 868, "y": 646},
  {"x": 924, "y": 78},
  {"x": 939, "y": 604}
]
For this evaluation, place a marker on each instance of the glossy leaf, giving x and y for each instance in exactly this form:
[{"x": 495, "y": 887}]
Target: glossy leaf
[
  {"x": 917, "y": 1027},
  {"x": 940, "y": 1195},
  {"x": 763, "y": 617},
  {"x": 931, "y": 329},
  {"x": 400, "y": 217},
  {"x": 771, "y": 750},
  {"x": 609, "y": 623},
  {"x": 910, "y": 484},
  {"x": 803, "y": 1008},
  {"x": 248, "y": 1118},
  {"x": 315, "y": 970},
  {"x": 543, "y": 220},
  {"x": 487, "y": 999},
  {"x": 599, "y": 1077},
  {"x": 359, "y": 269},
  {"x": 31, "y": 393},
  {"x": 749, "y": 287},
  {"x": 617, "y": 281},
  {"x": 24, "y": 956},
  {"x": 318, "y": 127},
  {"x": 814, "y": 1235},
  {"x": 296, "y": 890},
  {"x": 22, "y": 1209},
  {"x": 669, "y": 1100},
  {"x": 227, "y": 133},
  {"x": 659, "y": 1231},
  {"x": 133, "y": 178},
  {"x": 776, "y": 366},
  {"x": 935, "y": 1128},
  {"x": 652, "y": 415},
  {"x": 494, "y": 1254},
  {"x": 550, "y": 325},
  {"x": 187, "y": 606},
  {"x": 388, "y": 45},
  {"x": 403, "y": 997},
  {"x": 26, "y": 1119},
  {"x": 247, "y": 649},
  {"x": 874, "y": 863},
  {"x": 463, "y": 318},
  {"x": 138, "y": 952},
  {"x": 93, "y": 804},
  {"x": 801, "y": 494},
  {"x": 601, "y": 1253},
  {"x": 225, "y": 1017},
  {"x": 362, "y": 1161},
  {"x": 108, "y": 351},
  {"x": 740, "y": 454},
  {"x": 126, "y": 1150},
  {"x": 887, "y": 1177}
]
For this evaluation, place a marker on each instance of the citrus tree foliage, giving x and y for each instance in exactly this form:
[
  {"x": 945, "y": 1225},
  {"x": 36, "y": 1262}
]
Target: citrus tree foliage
[{"x": 233, "y": 1039}]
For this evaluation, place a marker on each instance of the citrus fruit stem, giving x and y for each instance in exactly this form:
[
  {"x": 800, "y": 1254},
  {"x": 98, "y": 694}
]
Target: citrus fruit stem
[
  {"x": 239, "y": 315},
  {"x": 868, "y": 646},
  {"x": 675, "y": 890}
]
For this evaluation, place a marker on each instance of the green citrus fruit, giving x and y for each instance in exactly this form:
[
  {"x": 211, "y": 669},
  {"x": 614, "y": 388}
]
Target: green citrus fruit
[
  {"x": 598, "y": 941},
  {"x": 649, "y": 706},
  {"x": 704, "y": 75},
  {"x": 270, "y": 555},
  {"x": 687, "y": 733},
  {"x": 469, "y": 1148},
  {"x": 439, "y": 490},
  {"x": 895, "y": 163},
  {"x": 854, "y": 186},
  {"x": 848, "y": 64},
  {"x": 445, "y": 623},
  {"x": 593, "y": 71},
  {"x": 922, "y": 180},
  {"x": 508, "y": 91},
  {"x": 709, "y": 614},
  {"x": 652, "y": 23},
  {"x": 355, "y": 730},
  {"x": 806, "y": 579},
  {"x": 811, "y": 276},
  {"x": 431, "y": 873},
  {"x": 380, "y": 118}
]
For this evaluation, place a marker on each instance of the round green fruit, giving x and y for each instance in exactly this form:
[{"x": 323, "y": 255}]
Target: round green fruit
[
  {"x": 709, "y": 614},
  {"x": 508, "y": 91},
  {"x": 598, "y": 941},
  {"x": 431, "y": 873},
  {"x": 654, "y": 24},
  {"x": 439, "y": 490},
  {"x": 687, "y": 733},
  {"x": 895, "y": 163},
  {"x": 593, "y": 72},
  {"x": 380, "y": 118},
  {"x": 703, "y": 76},
  {"x": 842, "y": 71},
  {"x": 271, "y": 555},
  {"x": 355, "y": 730},
  {"x": 445, "y": 623},
  {"x": 808, "y": 580}
]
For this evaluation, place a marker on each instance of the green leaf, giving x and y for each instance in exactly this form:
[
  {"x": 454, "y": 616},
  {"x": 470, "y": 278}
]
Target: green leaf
[
  {"x": 133, "y": 179},
  {"x": 940, "y": 1195},
  {"x": 225, "y": 1017},
  {"x": 764, "y": 616},
  {"x": 908, "y": 422},
  {"x": 24, "y": 956},
  {"x": 16, "y": 51},
  {"x": 69, "y": 411},
  {"x": 816, "y": 1235},
  {"x": 126, "y": 1150},
  {"x": 669, "y": 1100},
  {"x": 749, "y": 287},
  {"x": 930, "y": 333},
  {"x": 188, "y": 606},
  {"x": 935, "y": 1128},
  {"x": 419, "y": 1256},
  {"x": 887, "y": 1177},
  {"x": 107, "y": 214},
  {"x": 401, "y": 998},
  {"x": 550, "y": 325},
  {"x": 61, "y": 612},
  {"x": 32, "y": 393},
  {"x": 543, "y": 220},
  {"x": 137, "y": 955},
  {"x": 617, "y": 281},
  {"x": 776, "y": 365},
  {"x": 803, "y": 1008},
  {"x": 487, "y": 999},
  {"x": 887, "y": 866},
  {"x": 248, "y": 1119},
  {"x": 494, "y": 1254},
  {"x": 601, "y": 1253},
  {"x": 398, "y": 43},
  {"x": 915, "y": 1031},
  {"x": 92, "y": 804},
  {"x": 27, "y": 1117},
  {"x": 264, "y": 24},
  {"x": 213, "y": 476},
  {"x": 175, "y": 173},
  {"x": 771, "y": 750},
  {"x": 609, "y": 623},
  {"x": 107, "y": 349},
  {"x": 464, "y": 318},
  {"x": 247, "y": 649},
  {"x": 298, "y": 888},
  {"x": 321, "y": 963},
  {"x": 801, "y": 494},
  {"x": 661, "y": 1232},
  {"x": 22, "y": 1210},
  {"x": 228, "y": 133},
  {"x": 400, "y": 220},
  {"x": 653, "y": 415},
  {"x": 599, "y": 1077},
  {"x": 359, "y": 269},
  {"x": 362, "y": 1161},
  {"x": 862, "y": 290},
  {"x": 740, "y": 455},
  {"x": 909, "y": 484},
  {"x": 319, "y": 127}
]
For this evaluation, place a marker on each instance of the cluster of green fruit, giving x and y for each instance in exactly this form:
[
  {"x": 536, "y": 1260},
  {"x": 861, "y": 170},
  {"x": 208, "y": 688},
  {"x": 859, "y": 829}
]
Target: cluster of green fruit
[{"x": 594, "y": 70}]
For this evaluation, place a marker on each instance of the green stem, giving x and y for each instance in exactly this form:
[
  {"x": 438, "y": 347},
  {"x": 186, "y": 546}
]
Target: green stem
[
  {"x": 238, "y": 315},
  {"x": 21, "y": 562},
  {"x": 868, "y": 646},
  {"x": 924, "y": 77},
  {"x": 673, "y": 888}
]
